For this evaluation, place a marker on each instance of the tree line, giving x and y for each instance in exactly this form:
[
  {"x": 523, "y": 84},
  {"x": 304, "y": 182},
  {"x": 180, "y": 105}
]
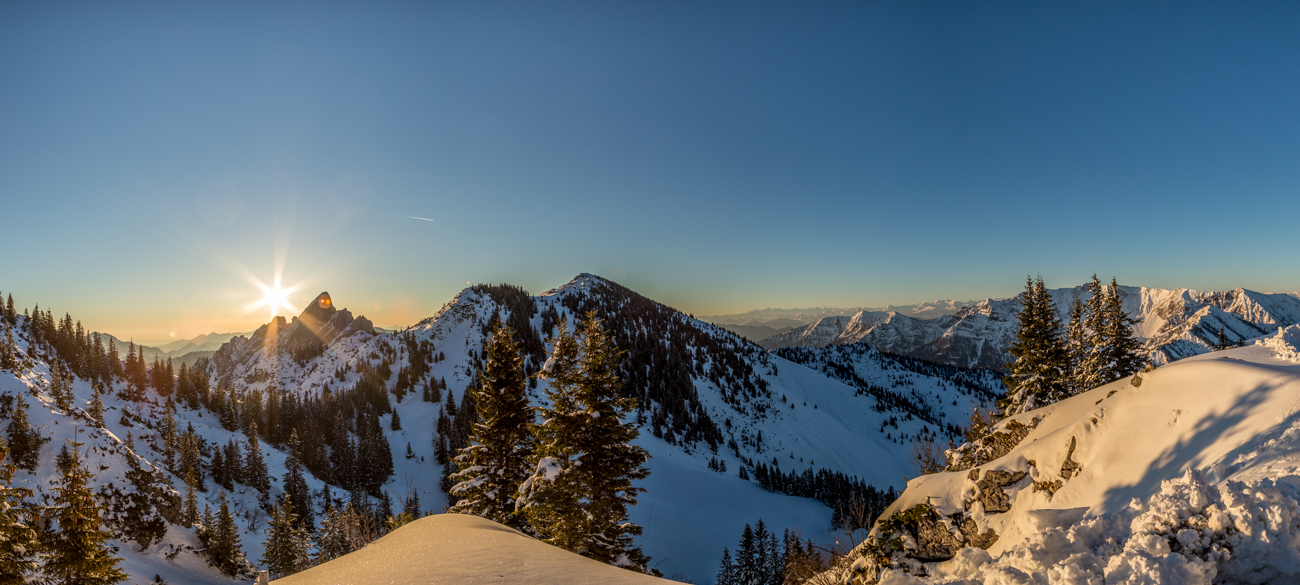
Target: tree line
[{"x": 1054, "y": 361}]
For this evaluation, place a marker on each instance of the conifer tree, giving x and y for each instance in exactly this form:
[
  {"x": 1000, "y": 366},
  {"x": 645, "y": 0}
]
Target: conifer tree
[
  {"x": 332, "y": 539},
  {"x": 77, "y": 551},
  {"x": 494, "y": 464},
  {"x": 1122, "y": 346},
  {"x": 18, "y": 543},
  {"x": 8, "y": 350},
  {"x": 288, "y": 545},
  {"x": 1037, "y": 377},
  {"x": 255, "y": 473},
  {"x": 726, "y": 569},
  {"x": 190, "y": 505},
  {"x": 97, "y": 408},
  {"x": 1094, "y": 367},
  {"x": 24, "y": 442},
  {"x": 1078, "y": 342},
  {"x": 396, "y": 423},
  {"x": 223, "y": 547},
  {"x": 295, "y": 485},
  {"x": 585, "y": 461}
]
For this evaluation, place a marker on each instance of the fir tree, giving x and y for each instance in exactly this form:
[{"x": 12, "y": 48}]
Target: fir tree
[
  {"x": 77, "y": 552},
  {"x": 223, "y": 547},
  {"x": 288, "y": 545},
  {"x": 1122, "y": 346},
  {"x": 97, "y": 408},
  {"x": 295, "y": 485},
  {"x": 726, "y": 570},
  {"x": 255, "y": 474},
  {"x": 494, "y": 464},
  {"x": 18, "y": 543},
  {"x": 585, "y": 461},
  {"x": 190, "y": 505},
  {"x": 332, "y": 539},
  {"x": 1037, "y": 377},
  {"x": 1078, "y": 342},
  {"x": 24, "y": 442},
  {"x": 396, "y": 423},
  {"x": 1094, "y": 365}
]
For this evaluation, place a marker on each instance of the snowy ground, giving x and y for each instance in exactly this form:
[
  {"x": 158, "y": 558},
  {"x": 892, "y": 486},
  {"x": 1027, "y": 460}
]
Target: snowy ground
[
  {"x": 1193, "y": 475},
  {"x": 453, "y": 549}
]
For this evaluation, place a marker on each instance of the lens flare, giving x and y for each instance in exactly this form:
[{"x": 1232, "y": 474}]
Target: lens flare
[{"x": 275, "y": 298}]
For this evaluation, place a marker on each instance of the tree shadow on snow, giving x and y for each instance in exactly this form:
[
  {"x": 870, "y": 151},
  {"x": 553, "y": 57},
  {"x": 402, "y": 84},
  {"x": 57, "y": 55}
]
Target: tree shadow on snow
[{"x": 1188, "y": 452}]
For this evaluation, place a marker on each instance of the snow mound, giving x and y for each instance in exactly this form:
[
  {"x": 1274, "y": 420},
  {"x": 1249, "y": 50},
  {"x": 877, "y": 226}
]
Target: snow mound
[
  {"x": 1191, "y": 532},
  {"x": 463, "y": 550},
  {"x": 1285, "y": 343}
]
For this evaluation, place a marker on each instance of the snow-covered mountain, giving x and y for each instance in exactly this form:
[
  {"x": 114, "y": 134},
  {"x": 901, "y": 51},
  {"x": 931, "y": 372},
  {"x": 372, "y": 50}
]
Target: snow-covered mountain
[
  {"x": 1174, "y": 323},
  {"x": 711, "y": 403},
  {"x": 1183, "y": 474}
]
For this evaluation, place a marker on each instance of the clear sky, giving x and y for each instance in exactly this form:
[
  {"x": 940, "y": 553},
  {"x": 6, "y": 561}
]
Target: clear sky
[{"x": 156, "y": 159}]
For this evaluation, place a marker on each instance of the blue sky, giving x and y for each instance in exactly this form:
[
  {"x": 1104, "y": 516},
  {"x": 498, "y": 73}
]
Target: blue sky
[{"x": 155, "y": 158}]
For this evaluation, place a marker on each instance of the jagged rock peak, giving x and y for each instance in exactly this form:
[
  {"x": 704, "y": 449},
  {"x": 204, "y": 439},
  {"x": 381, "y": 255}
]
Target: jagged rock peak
[{"x": 320, "y": 309}]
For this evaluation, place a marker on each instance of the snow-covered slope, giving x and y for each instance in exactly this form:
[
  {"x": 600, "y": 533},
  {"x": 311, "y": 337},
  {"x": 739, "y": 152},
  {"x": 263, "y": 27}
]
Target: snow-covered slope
[
  {"x": 1183, "y": 473},
  {"x": 454, "y": 549},
  {"x": 705, "y": 394},
  {"x": 1174, "y": 323}
]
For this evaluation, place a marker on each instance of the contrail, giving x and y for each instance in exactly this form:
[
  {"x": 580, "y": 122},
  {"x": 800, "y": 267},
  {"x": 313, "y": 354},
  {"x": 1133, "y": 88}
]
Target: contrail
[{"x": 419, "y": 218}]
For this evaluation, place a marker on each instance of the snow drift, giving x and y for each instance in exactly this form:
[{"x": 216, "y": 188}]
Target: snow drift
[
  {"x": 1186, "y": 474},
  {"x": 456, "y": 549}
]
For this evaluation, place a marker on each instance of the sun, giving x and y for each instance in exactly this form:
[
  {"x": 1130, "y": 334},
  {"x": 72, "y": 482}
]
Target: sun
[{"x": 274, "y": 297}]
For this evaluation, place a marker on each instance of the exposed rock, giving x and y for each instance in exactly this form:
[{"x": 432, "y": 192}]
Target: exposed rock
[
  {"x": 991, "y": 494},
  {"x": 1070, "y": 467},
  {"x": 973, "y": 536},
  {"x": 991, "y": 446}
]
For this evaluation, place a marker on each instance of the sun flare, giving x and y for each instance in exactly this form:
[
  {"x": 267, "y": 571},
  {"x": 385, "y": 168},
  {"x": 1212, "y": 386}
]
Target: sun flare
[{"x": 274, "y": 297}]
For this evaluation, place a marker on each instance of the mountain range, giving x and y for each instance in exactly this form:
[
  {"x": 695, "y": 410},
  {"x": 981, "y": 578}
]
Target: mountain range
[
  {"x": 735, "y": 433},
  {"x": 1174, "y": 324}
]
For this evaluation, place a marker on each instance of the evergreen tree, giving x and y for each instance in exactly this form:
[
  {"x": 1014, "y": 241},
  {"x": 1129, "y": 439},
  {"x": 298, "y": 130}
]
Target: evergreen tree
[
  {"x": 585, "y": 461},
  {"x": 18, "y": 543},
  {"x": 1094, "y": 367},
  {"x": 1122, "y": 346},
  {"x": 726, "y": 570},
  {"x": 97, "y": 408},
  {"x": 396, "y": 423},
  {"x": 255, "y": 474},
  {"x": 494, "y": 464},
  {"x": 1222, "y": 342},
  {"x": 77, "y": 551},
  {"x": 190, "y": 505},
  {"x": 223, "y": 547},
  {"x": 332, "y": 539},
  {"x": 295, "y": 485},
  {"x": 1078, "y": 342},
  {"x": 1037, "y": 377},
  {"x": 24, "y": 442},
  {"x": 8, "y": 350},
  {"x": 288, "y": 545}
]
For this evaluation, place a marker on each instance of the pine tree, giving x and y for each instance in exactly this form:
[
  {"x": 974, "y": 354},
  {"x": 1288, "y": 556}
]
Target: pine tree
[
  {"x": 77, "y": 552},
  {"x": 726, "y": 570},
  {"x": 1037, "y": 377},
  {"x": 494, "y": 464},
  {"x": 396, "y": 423},
  {"x": 24, "y": 442},
  {"x": 223, "y": 547},
  {"x": 190, "y": 505},
  {"x": 1122, "y": 346},
  {"x": 1094, "y": 367},
  {"x": 97, "y": 408},
  {"x": 18, "y": 543},
  {"x": 332, "y": 539},
  {"x": 1222, "y": 342},
  {"x": 288, "y": 545},
  {"x": 585, "y": 462},
  {"x": 1078, "y": 342},
  {"x": 255, "y": 474},
  {"x": 295, "y": 485},
  {"x": 8, "y": 350}
]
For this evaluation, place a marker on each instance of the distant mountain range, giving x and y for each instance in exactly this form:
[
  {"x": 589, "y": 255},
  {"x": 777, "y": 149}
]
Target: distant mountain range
[
  {"x": 185, "y": 351},
  {"x": 1174, "y": 323},
  {"x": 761, "y": 324}
]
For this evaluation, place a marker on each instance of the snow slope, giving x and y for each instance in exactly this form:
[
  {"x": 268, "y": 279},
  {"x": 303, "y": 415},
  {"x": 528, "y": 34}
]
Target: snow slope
[
  {"x": 772, "y": 410},
  {"x": 454, "y": 549},
  {"x": 1187, "y": 472}
]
